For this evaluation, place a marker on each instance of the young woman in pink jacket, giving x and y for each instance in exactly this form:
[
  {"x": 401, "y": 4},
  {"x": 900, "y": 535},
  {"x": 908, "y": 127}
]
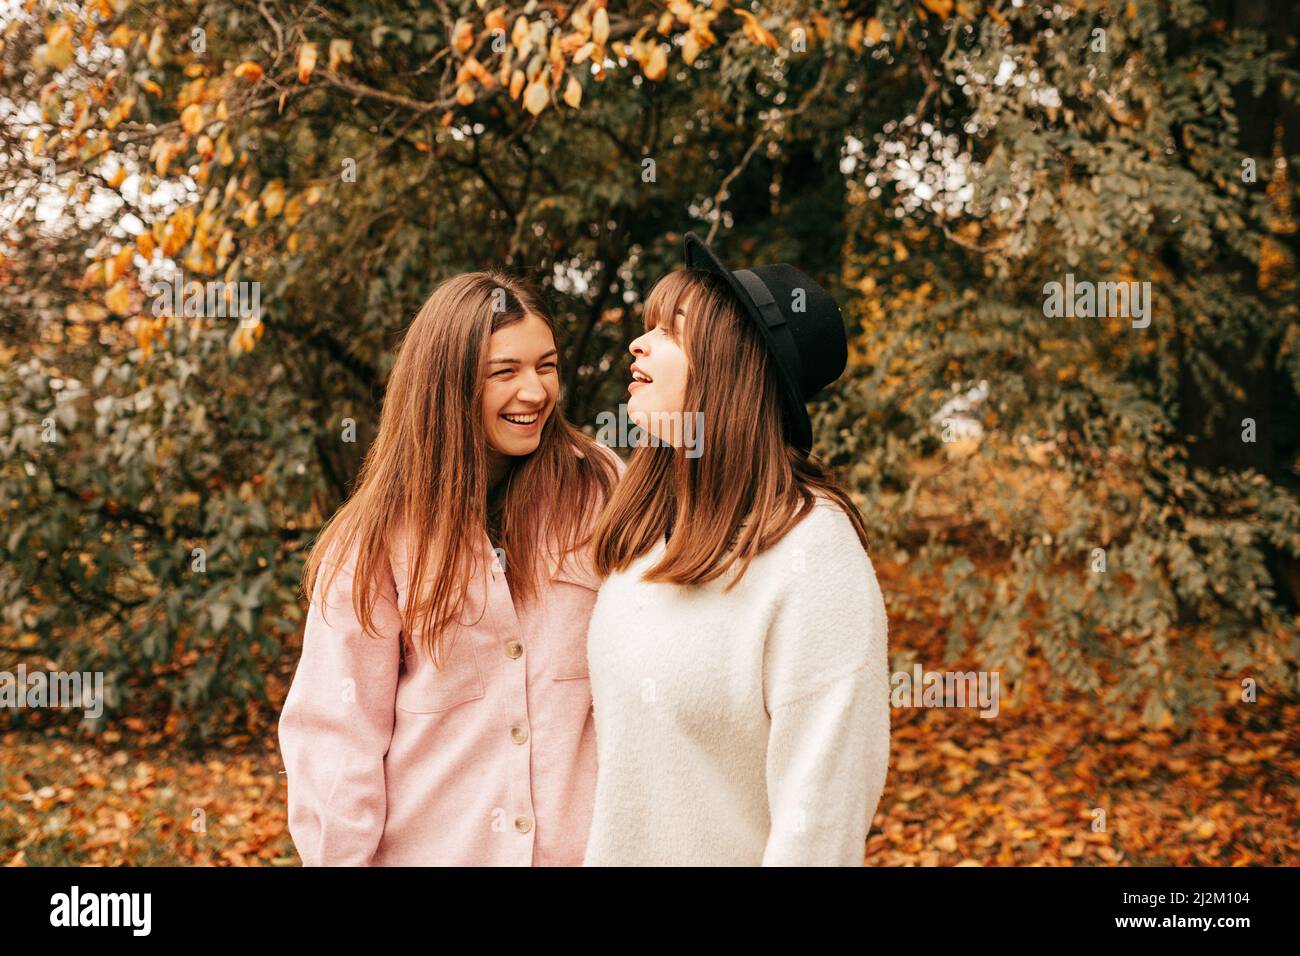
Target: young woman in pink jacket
[{"x": 441, "y": 710}]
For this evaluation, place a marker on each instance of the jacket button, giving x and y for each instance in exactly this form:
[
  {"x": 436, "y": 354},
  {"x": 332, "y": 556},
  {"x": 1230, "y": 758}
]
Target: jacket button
[
  {"x": 523, "y": 824},
  {"x": 519, "y": 735},
  {"x": 514, "y": 649}
]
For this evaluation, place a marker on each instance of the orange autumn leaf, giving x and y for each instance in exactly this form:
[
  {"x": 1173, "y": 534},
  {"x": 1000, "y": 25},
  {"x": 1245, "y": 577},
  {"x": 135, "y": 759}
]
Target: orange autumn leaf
[
  {"x": 939, "y": 7},
  {"x": 248, "y": 70},
  {"x": 755, "y": 32},
  {"x": 656, "y": 67},
  {"x": 462, "y": 36},
  {"x": 573, "y": 93}
]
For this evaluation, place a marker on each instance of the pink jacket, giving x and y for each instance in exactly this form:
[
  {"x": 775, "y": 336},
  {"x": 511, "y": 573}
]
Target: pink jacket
[{"x": 489, "y": 761}]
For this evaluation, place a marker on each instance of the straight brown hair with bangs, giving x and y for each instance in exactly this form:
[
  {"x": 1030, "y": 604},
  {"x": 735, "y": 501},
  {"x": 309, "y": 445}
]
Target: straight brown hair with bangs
[
  {"x": 426, "y": 472},
  {"x": 748, "y": 487}
]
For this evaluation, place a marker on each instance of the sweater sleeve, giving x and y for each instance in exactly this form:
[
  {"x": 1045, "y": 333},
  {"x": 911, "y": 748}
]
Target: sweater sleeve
[
  {"x": 337, "y": 723},
  {"x": 827, "y": 686}
]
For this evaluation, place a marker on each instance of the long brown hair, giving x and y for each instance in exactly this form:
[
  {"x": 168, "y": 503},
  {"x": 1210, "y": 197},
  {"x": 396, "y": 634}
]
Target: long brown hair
[
  {"x": 748, "y": 486},
  {"x": 426, "y": 472}
]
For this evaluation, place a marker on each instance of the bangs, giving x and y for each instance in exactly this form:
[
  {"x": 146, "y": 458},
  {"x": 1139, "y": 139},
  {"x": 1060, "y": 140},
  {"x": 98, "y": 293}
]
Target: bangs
[{"x": 670, "y": 295}]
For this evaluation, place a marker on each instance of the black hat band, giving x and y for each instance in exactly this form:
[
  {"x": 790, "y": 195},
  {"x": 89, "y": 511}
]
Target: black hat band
[{"x": 773, "y": 319}]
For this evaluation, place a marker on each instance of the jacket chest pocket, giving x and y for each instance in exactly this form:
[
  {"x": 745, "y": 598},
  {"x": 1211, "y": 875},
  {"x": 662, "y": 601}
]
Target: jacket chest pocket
[
  {"x": 574, "y": 594},
  {"x": 425, "y": 689}
]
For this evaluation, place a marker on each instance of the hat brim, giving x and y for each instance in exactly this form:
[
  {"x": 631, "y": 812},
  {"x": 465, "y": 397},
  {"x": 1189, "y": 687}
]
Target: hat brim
[{"x": 700, "y": 256}]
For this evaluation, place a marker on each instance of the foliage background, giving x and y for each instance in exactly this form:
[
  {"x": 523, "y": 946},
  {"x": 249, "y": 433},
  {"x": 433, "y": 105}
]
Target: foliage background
[{"x": 934, "y": 163}]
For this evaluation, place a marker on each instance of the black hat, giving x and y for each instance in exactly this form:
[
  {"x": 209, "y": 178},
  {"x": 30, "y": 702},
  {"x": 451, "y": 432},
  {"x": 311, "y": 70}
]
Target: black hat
[{"x": 800, "y": 323}]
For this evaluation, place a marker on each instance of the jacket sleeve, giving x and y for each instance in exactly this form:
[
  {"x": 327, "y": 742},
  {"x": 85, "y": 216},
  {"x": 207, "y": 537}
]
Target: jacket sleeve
[
  {"x": 826, "y": 683},
  {"x": 337, "y": 723}
]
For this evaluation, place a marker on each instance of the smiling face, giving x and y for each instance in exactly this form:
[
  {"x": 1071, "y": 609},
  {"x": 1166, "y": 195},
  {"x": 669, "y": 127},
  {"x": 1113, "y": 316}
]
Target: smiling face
[
  {"x": 521, "y": 384},
  {"x": 657, "y": 393}
]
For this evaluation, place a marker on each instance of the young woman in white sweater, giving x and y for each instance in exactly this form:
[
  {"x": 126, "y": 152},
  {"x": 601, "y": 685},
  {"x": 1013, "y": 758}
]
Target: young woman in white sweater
[{"x": 737, "y": 650}]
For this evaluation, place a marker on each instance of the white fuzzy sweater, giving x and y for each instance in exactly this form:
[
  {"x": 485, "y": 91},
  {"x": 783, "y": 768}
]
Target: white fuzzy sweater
[{"x": 746, "y": 727}]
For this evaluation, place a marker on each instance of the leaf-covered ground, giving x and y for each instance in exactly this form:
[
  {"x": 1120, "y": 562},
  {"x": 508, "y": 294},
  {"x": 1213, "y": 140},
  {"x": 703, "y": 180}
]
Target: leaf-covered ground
[{"x": 1045, "y": 782}]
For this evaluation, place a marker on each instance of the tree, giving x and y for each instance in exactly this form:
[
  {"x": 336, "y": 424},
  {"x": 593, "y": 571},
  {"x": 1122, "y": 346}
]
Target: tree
[{"x": 937, "y": 164}]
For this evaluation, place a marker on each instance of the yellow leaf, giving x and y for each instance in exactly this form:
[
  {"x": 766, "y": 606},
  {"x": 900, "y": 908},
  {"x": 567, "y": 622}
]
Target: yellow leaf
[
  {"x": 163, "y": 159},
  {"x": 155, "y": 53},
  {"x": 941, "y": 7},
  {"x": 517, "y": 84},
  {"x": 600, "y": 27},
  {"x": 306, "y": 61},
  {"x": 340, "y": 52},
  {"x": 464, "y": 94},
  {"x": 690, "y": 48},
  {"x": 519, "y": 35},
  {"x": 700, "y": 21},
  {"x": 573, "y": 93},
  {"x": 580, "y": 21},
  {"x": 875, "y": 31},
  {"x": 59, "y": 45},
  {"x": 86, "y": 312},
  {"x": 536, "y": 97},
  {"x": 118, "y": 299},
  {"x": 273, "y": 198},
  {"x": 192, "y": 118}
]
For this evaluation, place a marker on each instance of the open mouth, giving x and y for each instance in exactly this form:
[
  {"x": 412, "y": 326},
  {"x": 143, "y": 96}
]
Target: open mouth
[
  {"x": 525, "y": 421},
  {"x": 640, "y": 376}
]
